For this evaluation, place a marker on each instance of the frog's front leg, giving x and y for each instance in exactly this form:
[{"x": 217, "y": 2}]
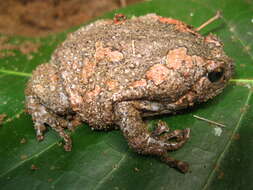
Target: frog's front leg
[
  {"x": 142, "y": 141},
  {"x": 42, "y": 117}
]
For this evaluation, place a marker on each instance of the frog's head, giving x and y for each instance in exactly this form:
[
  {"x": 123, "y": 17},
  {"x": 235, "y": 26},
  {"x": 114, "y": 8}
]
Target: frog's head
[{"x": 218, "y": 70}]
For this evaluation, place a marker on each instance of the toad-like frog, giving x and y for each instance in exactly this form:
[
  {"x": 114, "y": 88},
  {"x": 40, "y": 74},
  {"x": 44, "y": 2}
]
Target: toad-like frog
[{"x": 113, "y": 73}]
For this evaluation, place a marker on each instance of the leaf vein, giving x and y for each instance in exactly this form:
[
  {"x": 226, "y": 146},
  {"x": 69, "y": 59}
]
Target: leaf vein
[
  {"x": 30, "y": 158},
  {"x": 17, "y": 73},
  {"x": 220, "y": 157},
  {"x": 242, "y": 80},
  {"x": 111, "y": 172}
]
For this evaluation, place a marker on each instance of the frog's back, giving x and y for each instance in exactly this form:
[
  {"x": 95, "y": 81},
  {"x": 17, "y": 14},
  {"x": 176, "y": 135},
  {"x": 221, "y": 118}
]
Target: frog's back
[{"x": 110, "y": 61}]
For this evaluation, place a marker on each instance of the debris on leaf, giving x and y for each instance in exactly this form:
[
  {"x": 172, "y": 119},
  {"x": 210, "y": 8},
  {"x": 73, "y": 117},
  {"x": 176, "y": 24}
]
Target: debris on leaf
[
  {"x": 217, "y": 131},
  {"x": 23, "y": 157},
  {"x": 23, "y": 141},
  {"x": 34, "y": 167},
  {"x": 2, "y": 116},
  {"x": 236, "y": 136}
]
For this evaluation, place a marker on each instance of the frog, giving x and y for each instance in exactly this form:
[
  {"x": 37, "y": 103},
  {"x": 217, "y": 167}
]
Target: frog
[{"x": 115, "y": 73}]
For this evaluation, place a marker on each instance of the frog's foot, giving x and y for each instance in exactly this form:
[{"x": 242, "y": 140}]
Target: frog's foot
[
  {"x": 40, "y": 128},
  {"x": 43, "y": 118},
  {"x": 144, "y": 142},
  {"x": 163, "y": 133}
]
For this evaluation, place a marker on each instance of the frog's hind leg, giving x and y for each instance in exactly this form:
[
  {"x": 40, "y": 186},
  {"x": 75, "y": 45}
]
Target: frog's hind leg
[
  {"x": 142, "y": 141},
  {"x": 42, "y": 117}
]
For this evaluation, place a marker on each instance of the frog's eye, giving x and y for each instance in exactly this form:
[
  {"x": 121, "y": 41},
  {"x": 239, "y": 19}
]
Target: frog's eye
[{"x": 215, "y": 76}]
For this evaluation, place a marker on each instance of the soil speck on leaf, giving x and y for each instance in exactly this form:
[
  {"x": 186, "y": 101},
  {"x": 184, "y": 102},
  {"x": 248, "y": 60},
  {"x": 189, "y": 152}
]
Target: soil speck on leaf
[
  {"x": 221, "y": 175},
  {"x": 50, "y": 180},
  {"x": 23, "y": 157},
  {"x": 236, "y": 136},
  {"x": 23, "y": 141},
  {"x": 244, "y": 109},
  {"x": 2, "y": 117},
  {"x": 34, "y": 167}
]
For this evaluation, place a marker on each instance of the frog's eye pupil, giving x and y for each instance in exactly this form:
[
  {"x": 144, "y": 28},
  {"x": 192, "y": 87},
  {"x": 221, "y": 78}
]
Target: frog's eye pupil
[{"x": 215, "y": 76}]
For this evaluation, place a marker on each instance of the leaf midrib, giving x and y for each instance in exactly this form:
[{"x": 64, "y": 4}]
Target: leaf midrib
[
  {"x": 221, "y": 156},
  {"x": 16, "y": 73}
]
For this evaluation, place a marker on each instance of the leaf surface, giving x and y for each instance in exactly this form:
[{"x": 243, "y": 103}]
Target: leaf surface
[{"x": 102, "y": 160}]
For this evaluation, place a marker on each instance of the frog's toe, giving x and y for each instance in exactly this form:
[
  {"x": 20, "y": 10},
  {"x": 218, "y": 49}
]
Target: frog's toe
[
  {"x": 178, "y": 164},
  {"x": 161, "y": 127},
  {"x": 42, "y": 118},
  {"x": 180, "y": 136},
  {"x": 177, "y": 134},
  {"x": 39, "y": 128},
  {"x": 172, "y": 140},
  {"x": 60, "y": 130}
]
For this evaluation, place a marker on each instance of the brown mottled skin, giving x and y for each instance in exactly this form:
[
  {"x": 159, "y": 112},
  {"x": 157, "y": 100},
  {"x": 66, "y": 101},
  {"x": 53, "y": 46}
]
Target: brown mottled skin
[{"x": 115, "y": 72}]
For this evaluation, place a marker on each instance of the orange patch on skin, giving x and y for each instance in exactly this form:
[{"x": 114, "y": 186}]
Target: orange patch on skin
[
  {"x": 157, "y": 73},
  {"x": 210, "y": 39},
  {"x": 181, "y": 26},
  {"x": 178, "y": 57},
  {"x": 115, "y": 56},
  {"x": 212, "y": 65},
  {"x": 187, "y": 100},
  {"x": 38, "y": 89},
  {"x": 75, "y": 100},
  {"x": 88, "y": 70},
  {"x": 138, "y": 83},
  {"x": 103, "y": 22},
  {"x": 170, "y": 20},
  {"x": 91, "y": 95},
  {"x": 216, "y": 53},
  {"x": 111, "y": 84},
  {"x": 102, "y": 53},
  {"x": 53, "y": 78}
]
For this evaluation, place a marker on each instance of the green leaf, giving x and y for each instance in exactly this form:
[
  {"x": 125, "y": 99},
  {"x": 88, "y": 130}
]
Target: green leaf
[{"x": 102, "y": 160}]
